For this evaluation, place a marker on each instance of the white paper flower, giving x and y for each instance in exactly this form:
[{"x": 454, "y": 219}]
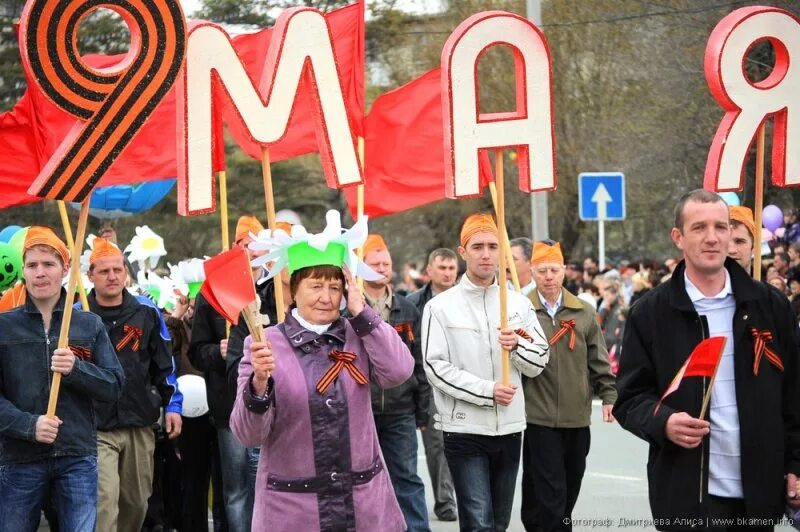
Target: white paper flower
[
  {"x": 277, "y": 245},
  {"x": 146, "y": 245}
]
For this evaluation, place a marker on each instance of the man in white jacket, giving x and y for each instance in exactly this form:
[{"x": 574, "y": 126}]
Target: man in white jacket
[{"x": 482, "y": 417}]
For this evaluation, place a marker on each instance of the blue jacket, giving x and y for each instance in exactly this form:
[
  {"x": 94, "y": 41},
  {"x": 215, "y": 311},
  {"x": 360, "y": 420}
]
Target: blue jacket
[
  {"x": 137, "y": 333},
  {"x": 25, "y": 352}
]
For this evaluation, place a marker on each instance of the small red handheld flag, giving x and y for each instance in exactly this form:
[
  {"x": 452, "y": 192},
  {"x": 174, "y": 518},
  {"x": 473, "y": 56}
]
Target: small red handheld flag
[
  {"x": 702, "y": 362},
  {"x": 229, "y": 286}
]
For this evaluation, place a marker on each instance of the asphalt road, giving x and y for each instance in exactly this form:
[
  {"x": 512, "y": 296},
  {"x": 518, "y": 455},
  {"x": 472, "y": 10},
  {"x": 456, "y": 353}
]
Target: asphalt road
[{"x": 614, "y": 491}]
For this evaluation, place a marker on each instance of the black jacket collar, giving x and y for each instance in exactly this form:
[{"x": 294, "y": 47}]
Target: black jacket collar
[
  {"x": 744, "y": 288},
  {"x": 30, "y": 306}
]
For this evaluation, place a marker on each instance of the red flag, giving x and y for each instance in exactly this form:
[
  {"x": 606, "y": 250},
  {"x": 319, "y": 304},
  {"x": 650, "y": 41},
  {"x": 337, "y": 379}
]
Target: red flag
[
  {"x": 229, "y": 286},
  {"x": 404, "y": 149},
  {"x": 18, "y": 153},
  {"x": 347, "y": 32},
  {"x": 31, "y": 132},
  {"x": 702, "y": 362}
]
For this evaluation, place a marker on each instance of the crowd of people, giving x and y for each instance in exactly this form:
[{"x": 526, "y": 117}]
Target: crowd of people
[{"x": 314, "y": 427}]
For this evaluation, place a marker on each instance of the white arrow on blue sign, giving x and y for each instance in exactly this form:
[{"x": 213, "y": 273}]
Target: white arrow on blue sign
[{"x": 601, "y": 196}]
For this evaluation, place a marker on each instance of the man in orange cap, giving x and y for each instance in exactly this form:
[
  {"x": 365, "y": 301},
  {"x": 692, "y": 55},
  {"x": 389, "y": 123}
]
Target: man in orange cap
[
  {"x": 481, "y": 416},
  {"x": 125, "y": 438},
  {"x": 399, "y": 411},
  {"x": 558, "y": 403},
  {"x": 742, "y": 242},
  {"x": 57, "y": 455},
  {"x": 209, "y": 351}
]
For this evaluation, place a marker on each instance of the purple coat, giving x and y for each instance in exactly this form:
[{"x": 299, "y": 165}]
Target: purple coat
[{"x": 321, "y": 466}]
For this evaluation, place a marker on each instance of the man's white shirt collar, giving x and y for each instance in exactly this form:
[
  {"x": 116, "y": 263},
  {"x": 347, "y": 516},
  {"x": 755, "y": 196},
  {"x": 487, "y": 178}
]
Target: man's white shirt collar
[{"x": 696, "y": 295}]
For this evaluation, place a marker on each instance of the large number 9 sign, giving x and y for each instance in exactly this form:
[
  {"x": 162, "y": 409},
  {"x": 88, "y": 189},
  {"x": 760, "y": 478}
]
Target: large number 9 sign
[{"x": 114, "y": 104}]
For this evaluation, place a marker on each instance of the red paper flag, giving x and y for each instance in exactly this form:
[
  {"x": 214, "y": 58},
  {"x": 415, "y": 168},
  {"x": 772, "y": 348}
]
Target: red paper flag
[
  {"x": 404, "y": 149},
  {"x": 347, "y": 31},
  {"x": 702, "y": 362},
  {"x": 229, "y": 286}
]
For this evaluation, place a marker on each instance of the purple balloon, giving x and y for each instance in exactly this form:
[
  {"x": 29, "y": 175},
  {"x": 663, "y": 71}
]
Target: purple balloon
[{"x": 772, "y": 217}]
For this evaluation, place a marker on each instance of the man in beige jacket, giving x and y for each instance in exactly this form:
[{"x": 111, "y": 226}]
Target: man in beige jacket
[{"x": 558, "y": 402}]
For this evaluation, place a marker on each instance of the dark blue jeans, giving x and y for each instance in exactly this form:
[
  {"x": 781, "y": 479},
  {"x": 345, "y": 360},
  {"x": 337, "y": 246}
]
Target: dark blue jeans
[
  {"x": 238, "y": 481},
  {"x": 73, "y": 487},
  {"x": 397, "y": 435},
  {"x": 484, "y": 470}
]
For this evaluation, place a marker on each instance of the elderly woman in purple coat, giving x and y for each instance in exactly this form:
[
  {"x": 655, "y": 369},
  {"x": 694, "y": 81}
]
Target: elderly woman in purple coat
[{"x": 304, "y": 394}]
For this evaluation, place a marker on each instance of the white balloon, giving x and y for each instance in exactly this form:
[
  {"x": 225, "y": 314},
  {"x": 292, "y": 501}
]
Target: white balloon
[{"x": 193, "y": 388}]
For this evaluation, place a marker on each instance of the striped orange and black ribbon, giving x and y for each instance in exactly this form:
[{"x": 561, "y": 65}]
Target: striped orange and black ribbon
[
  {"x": 405, "y": 328},
  {"x": 132, "y": 335},
  {"x": 567, "y": 326},
  {"x": 760, "y": 339},
  {"x": 523, "y": 334},
  {"x": 115, "y": 105},
  {"x": 341, "y": 360},
  {"x": 84, "y": 353}
]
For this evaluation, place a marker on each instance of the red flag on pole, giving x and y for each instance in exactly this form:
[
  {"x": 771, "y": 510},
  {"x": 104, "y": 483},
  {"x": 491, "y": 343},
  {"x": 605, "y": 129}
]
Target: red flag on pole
[
  {"x": 229, "y": 286},
  {"x": 404, "y": 149},
  {"x": 702, "y": 362}
]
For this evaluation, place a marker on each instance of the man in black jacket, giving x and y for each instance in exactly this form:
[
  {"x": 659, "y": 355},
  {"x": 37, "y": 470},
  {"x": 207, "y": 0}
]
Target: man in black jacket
[
  {"x": 38, "y": 453},
  {"x": 744, "y": 462},
  {"x": 442, "y": 270},
  {"x": 125, "y": 437},
  {"x": 208, "y": 352},
  {"x": 399, "y": 411}
]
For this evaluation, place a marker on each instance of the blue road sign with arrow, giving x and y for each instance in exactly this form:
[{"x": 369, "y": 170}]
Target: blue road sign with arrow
[{"x": 601, "y": 196}]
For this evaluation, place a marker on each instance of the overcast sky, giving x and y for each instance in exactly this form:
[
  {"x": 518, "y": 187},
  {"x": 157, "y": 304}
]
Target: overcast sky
[{"x": 412, "y": 6}]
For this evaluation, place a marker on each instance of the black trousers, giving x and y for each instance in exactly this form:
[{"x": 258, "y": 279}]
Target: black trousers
[
  {"x": 199, "y": 464},
  {"x": 730, "y": 515},
  {"x": 553, "y": 463}
]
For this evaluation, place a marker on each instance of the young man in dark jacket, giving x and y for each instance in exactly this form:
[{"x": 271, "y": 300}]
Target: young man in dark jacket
[
  {"x": 743, "y": 462},
  {"x": 442, "y": 270},
  {"x": 399, "y": 411},
  {"x": 39, "y": 454},
  {"x": 126, "y": 441}
]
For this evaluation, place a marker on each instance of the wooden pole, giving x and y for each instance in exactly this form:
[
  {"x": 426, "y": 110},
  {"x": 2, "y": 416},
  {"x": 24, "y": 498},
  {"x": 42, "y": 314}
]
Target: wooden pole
[
  {"x": 223, "y": 209},
  {"x": 506, "y": 243},
  {"x": 501, "y": 229},
  {"x": 74, "y": 274},
  {"x": 269, "y": 197},
  {"x": 759, "y": 205},
  {"x": 224, "y": 223},
  {"x": 707, "y": 396},
  {"x": 360, "y": 207},
  {"x": 62, "y": 210}
]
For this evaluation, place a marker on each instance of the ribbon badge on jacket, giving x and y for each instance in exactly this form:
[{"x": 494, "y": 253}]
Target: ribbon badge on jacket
[
  {"x": 132, "y": 335},
  {"x": 84, "y": 353},
  {"x": 760, "y": 349},
  {"x": 522, "y": 333},
  {"x": 567, "y": 326},
  {"x": 405, "y": 328},
  {"x": 341, "y": 359}
]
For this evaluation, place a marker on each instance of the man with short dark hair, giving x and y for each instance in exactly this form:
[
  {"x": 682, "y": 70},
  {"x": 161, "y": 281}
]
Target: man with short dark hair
[
  {"x": 442, "y": 269},
  {"x": 742, "y": 463},
  {"x": 521, "y": 250},
  {"x": 125, "y": 439},
  {"x": 37, "y": 453}
]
